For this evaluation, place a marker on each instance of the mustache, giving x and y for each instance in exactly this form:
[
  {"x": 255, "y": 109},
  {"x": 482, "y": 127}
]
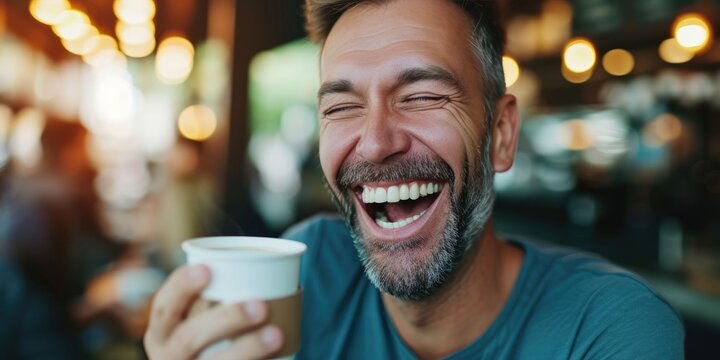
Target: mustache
[{"x": 413, "y": 167}]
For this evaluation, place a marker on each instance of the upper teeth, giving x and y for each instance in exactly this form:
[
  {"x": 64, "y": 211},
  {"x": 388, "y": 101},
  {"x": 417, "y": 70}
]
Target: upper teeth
[{"x": 395, "y": 193}]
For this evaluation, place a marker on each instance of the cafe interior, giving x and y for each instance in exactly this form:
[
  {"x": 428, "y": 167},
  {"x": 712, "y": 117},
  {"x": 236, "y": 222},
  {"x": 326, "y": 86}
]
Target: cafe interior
[{"x": 155, "y": 121}]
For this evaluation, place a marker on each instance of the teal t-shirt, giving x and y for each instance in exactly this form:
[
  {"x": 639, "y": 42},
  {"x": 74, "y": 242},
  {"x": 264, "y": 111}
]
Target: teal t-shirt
[{"x": 566, "y": 304}]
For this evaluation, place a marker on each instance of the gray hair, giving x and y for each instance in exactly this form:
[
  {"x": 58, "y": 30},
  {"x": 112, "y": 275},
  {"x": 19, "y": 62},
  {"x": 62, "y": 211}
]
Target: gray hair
[{"x": 486, "y": 41}]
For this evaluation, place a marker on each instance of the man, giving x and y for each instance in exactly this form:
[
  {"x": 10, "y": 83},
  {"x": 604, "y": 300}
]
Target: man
[{"x": 414, "y": 123}]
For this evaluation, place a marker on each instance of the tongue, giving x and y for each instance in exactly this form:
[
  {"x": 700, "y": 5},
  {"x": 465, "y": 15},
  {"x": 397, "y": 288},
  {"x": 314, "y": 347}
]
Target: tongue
[{"x": 407, "y": 208}]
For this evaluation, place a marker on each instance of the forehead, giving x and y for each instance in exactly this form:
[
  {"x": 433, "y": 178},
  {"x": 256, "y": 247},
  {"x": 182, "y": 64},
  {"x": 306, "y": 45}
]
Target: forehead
[{"x": 421, "y": 32}]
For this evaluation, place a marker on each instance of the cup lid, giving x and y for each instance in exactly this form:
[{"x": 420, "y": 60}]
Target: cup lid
[{"x": 246, "y": 248}]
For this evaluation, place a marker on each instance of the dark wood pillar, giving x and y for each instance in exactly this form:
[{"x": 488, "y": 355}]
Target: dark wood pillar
[{"x": 259, "y": 25}]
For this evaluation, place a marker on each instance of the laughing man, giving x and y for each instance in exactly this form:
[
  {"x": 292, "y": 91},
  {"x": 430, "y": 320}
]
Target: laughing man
[{"x": 414, "y": 123}]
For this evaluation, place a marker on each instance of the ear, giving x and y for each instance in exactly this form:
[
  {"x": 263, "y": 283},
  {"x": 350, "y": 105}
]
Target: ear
[{"x": 505, "y": 133}]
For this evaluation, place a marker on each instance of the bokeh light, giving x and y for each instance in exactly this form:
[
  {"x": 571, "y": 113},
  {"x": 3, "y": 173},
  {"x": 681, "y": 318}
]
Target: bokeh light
[
  {"x": 671, "y": 51},
  {"x": 134, "y": 11},
  {"x": 575, "y": 77},
  {"x": 174, "y": 60},
  {"x": 692, "y": 31},
  {"x": 114, "y": 101},
  {"x": 138, "y": 50},
  {"x": 47, "y": 11},
  {"x": 618, "y": 62},
  {"x": 24, "y": 143},
  {"x": 197, "y": 122},
  {"x": 100, "y": 50},
  {"x": 579, "y": 135},
  {"x": 136, "y": 40},
  {"x": 579, "y": 55},
  {"x": 71, "y": 24},
  {"x": 661, "y": 130},
  {"x": 78, "y": 46},
  {"x": 135, "y": 33},
  {"x": 511, "y": 70}
]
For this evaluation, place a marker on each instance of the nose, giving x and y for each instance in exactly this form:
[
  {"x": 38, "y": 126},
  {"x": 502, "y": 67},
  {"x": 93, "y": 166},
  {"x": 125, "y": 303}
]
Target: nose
[{"x": 382, "y": 138}]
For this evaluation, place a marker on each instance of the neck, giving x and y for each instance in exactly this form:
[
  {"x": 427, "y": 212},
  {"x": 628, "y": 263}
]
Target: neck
[{"x": 440, "y": 325}]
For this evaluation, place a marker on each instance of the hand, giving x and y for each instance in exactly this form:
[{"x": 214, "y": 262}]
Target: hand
[{"x": 171, "y": 335}]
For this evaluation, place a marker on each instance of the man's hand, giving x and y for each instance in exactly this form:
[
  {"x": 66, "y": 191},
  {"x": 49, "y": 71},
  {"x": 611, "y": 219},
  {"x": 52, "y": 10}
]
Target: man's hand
[{"x": 171, "y": 335}]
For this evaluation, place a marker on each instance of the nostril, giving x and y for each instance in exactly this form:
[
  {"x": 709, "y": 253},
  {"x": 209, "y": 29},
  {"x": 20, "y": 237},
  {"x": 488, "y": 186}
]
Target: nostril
[{"x": 377, "y": 148}]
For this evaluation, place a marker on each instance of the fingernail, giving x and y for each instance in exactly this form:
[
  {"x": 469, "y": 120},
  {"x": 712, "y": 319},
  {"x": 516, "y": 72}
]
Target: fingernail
[
  {"x": 271, "y": 337},
  {"x": 197, "y": 274},
  {"x": 255, "y": 310}
]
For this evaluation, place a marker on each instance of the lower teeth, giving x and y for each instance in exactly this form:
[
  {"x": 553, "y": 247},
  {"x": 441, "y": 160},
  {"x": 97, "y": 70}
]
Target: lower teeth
[{"x": 383, "y": 222}]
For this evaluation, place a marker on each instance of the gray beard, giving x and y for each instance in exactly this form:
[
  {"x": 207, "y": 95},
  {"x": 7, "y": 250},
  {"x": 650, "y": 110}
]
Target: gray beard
[{"x": 392, "y": 267}]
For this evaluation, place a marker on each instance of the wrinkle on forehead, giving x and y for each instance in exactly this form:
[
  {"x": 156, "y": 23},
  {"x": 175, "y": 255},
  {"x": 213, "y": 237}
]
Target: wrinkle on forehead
[{"x": 382, "y": 27}]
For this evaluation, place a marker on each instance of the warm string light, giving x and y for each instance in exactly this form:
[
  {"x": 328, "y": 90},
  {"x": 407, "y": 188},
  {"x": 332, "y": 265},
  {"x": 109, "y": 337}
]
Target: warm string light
[
  {"x": 135, "y": 28},
  {"x": 672, "y": 52},
  {"x": 692, "y": 35},
  {"x": 100, "y": 50},
  {"x": 78, "y": 46},
  {"x": 197, "y": 122},
  {"x": 579, "y": 55},
  {"x": 71, "y": 24},
  {"x": 47, "y": 11},
  {"x": 77, "y": 33},
  {"x": 618, "y": 62},
  {"x": 692, "y": 31},
  {"x": 174, "y": 60},
  {"x": 511, "y": 70},
  {"x": 575, "y": 77},
  {"x": 134, "y": 11}
]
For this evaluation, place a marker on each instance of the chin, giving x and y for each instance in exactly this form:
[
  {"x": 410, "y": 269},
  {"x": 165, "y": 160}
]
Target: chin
[{"x": 409, "y": 223}]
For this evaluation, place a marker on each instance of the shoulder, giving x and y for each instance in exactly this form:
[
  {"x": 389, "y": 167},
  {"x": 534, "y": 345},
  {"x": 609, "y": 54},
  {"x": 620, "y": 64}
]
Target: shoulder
[
  {"x": 329, "y": 246},
  {"x": 604, "y": 306},
  {"x": 316, "y": 228}
]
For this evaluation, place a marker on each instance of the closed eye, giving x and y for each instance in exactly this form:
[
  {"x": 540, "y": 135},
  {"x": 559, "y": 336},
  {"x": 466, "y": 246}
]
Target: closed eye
[
  {"x": 335, "y": 110},
  {"x": 423, "y": 98}
]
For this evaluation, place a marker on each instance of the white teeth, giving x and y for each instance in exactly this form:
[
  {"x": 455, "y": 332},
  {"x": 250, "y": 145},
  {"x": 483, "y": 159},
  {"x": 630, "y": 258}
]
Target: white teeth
[
  {"x": 368, "y": 195},
  {"x": 383, "y": 222},
  {"x": 404, "y": 192},
  {"x": 380, "y": 195},
  {"x": 414, "y": 191},
  {"x": 393, "y": 194},
  {"x": 396, "y": 193}
]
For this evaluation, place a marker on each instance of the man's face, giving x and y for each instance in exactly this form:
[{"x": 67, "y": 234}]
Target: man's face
[{"x": 402, "y": 140}]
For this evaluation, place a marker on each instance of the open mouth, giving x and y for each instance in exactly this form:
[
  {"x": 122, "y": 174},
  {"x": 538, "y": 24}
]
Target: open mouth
[{"x": 398, "y": 205}]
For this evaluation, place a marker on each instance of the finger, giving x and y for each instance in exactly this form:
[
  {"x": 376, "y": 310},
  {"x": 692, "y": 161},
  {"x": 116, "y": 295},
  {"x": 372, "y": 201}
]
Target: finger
[
  {"x": 214, "y": 325},
  {"x": 174, "y": 298},
  {"x": 259, "y": 344}
]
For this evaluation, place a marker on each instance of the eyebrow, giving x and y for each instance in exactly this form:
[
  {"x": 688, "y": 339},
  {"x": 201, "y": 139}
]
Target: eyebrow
[
  {"x": 406, "y": 77},
  {"x": 334, "y": 87},
  {"x": 432, "y": 73}
]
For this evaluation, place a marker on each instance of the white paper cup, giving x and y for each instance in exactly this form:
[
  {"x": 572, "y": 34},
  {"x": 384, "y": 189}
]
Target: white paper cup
[{"x": 252, "y": 268}]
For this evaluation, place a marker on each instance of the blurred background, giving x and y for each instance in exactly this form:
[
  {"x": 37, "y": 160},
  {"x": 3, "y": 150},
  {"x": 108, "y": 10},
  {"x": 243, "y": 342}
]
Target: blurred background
[{"x": 127, "y": 126}]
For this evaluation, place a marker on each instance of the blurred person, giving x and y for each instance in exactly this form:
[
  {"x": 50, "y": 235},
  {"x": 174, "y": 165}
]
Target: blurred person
[
  {"x": 31, "y": 327},
  {"x": 187, "y": 207},
  {"x": 414, "y": 123},
  {"x": 51, "y": 231}
]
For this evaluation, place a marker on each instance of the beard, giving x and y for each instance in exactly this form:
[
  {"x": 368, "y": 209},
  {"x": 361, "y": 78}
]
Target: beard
[{"x": 396, "y": 268}]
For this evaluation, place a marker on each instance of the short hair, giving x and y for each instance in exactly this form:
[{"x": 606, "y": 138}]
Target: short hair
[{"x": 486, "y": 41}]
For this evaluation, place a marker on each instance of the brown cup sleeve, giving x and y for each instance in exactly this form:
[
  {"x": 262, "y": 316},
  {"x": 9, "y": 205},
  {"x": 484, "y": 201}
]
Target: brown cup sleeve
[{"x": 285, "y": 313}]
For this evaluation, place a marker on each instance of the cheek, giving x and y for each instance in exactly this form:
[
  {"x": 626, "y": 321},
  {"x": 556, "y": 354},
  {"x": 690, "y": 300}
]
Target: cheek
[
  {"x": 335, "y": 144},
  {"x": 452, "y": 134},
  {"x": 468, "y": 128}
]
